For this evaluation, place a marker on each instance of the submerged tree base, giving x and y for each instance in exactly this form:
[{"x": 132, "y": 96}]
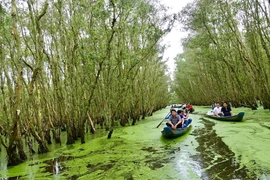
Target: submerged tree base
[{"x": 13, "y": 157}]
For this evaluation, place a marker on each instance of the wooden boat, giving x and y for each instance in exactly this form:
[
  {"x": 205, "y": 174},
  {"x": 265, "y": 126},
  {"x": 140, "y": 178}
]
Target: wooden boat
[
  {"x": 236, "y": 118},
  {"x": 168, "y": 132}
]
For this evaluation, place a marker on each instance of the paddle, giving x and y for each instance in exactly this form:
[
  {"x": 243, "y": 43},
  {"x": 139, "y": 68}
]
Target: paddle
[{"x": 163, "y": 120}]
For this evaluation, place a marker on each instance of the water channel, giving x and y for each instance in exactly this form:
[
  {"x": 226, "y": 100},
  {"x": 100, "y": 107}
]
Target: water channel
[{"x": 211, "y": 150}]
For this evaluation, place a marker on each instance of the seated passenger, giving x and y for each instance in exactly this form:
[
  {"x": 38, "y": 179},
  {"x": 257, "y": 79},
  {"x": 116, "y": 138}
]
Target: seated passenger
[
  {"x": 184, "y": 118},
  {"x": 169, "y": 115},
  {"x": 226, "y": 110},
  {"x": 182, "y": 115},
  {"x": 214, "y": 105},
  {"x": 217, "y": 110},
  {"x": 189, "y": 108},
  {"x": 184, "y": 106},
  {"x": 175, "y": 120}
]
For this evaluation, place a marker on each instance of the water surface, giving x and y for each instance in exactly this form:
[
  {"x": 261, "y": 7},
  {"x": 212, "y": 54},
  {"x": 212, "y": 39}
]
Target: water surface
[{"x": 210, "y": 150}]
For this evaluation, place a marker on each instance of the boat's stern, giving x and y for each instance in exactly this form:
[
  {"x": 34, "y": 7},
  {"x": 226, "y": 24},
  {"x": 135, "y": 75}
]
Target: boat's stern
[{"x": 167, "y": 132}]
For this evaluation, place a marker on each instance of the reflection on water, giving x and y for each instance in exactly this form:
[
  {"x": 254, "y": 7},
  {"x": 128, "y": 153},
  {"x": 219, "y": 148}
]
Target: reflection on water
[
  {"x": 218, "y": 161},
  {"x": 56, "y": 165},
  {"x": 188, "y": 166}
]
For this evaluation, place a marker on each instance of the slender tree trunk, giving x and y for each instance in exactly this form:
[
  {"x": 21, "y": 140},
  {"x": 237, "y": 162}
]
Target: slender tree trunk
[{"x": 15, "y": 141}]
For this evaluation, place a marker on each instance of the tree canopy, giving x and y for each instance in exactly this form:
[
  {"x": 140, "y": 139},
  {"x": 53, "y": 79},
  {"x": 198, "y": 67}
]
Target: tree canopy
[
  {"x": 226, "y": 54},
  {"x": 73, "y": 65}
]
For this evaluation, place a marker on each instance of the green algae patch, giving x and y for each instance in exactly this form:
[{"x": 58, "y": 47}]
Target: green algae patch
[
  {"x": 250, "y": 143},
  {"x": 210, "y": 150},
  {"x": 133, "y": 152},
  {"x": 215, "y": 157},
  {"x": 248, "y": 140}
]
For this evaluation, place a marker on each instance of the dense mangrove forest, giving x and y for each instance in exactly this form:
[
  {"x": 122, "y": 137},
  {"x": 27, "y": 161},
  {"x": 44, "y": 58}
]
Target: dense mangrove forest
[
  {"x": 70, "y": 65},
  {"x": 84, "y": 84},
  {"x": 226, "y": 54}
]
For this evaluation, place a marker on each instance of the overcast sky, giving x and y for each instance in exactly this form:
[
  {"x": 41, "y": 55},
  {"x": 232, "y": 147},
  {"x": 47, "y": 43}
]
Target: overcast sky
[{"x": 173, "y": 39}]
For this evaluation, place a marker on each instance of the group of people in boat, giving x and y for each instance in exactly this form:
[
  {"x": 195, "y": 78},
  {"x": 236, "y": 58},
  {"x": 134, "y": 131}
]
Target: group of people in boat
[
  {"x": 177, "y": 119},
  {"x": 219, "y": 111},
  {"x": 188, "y": 108}
]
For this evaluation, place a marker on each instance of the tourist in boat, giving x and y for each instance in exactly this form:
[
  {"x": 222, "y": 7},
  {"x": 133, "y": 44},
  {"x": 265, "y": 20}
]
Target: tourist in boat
[
  {"x": 169, "y": 115},
  {"x": 182, "y": 114},
  {"x": 175, "y": 120},
  {"x": 184, "y": 118},
  {"x": 217, "y": 110},
  {"x": 189, "y": 108},
  {"x": 214, "y": 105},
  {"x": 226, "y": 110},
  {"x": 211, "y": 112},
  {"x": 184, "y": 106}
]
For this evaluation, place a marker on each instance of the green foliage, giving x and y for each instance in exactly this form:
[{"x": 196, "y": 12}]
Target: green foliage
[
  {"x": 225, "y": 56},
  {"x": 81, "y": 61}
]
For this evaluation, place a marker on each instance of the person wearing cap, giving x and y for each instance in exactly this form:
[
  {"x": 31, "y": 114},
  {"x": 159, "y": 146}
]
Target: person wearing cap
[{"x": 175, "y": 120}]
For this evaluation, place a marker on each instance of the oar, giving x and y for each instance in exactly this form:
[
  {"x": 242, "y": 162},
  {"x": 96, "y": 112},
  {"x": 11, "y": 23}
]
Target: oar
[{"x": 163, "y": 120}]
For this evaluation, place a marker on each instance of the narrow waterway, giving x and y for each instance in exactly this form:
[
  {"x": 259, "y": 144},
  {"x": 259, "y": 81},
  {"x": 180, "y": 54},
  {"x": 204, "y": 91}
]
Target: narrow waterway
[{"x": 208, "y": 151}]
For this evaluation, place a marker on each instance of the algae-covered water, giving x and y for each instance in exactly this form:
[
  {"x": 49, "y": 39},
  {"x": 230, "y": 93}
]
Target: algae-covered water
[{"x": 210, "y": 150}]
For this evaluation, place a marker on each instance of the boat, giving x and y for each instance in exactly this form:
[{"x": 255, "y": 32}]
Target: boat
[
  {"x": 236, "y": 118},
  {"x": 210, "y": 113},
  {"x": 168, "y": 132}
]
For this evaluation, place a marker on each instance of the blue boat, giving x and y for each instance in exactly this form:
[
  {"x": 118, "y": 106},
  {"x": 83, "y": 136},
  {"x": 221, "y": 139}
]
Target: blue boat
[{"x": 168, "y": 132}]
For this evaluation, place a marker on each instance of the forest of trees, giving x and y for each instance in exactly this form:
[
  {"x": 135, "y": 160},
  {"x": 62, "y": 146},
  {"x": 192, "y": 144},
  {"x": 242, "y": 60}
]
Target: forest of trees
[
  {"x": 226, "y": 54},
  {"x": 74, "y": 64}
]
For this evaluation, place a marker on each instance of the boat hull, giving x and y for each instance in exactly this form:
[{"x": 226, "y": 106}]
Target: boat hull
[
  {"x": 236, "y": 118},
  {"x": 168, "y": 132}
]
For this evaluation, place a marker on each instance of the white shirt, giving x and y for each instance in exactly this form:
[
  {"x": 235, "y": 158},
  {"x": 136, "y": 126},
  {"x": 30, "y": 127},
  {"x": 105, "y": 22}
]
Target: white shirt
[{"x": 217, "y": 110}]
